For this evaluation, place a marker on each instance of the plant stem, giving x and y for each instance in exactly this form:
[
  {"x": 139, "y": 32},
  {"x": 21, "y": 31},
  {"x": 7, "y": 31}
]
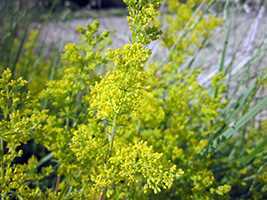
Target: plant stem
[{"x": 113, "y": 133}]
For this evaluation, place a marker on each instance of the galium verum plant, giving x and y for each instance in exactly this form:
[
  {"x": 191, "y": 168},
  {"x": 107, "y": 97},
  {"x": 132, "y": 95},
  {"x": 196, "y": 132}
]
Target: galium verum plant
[{"x": 115, "y": 127}]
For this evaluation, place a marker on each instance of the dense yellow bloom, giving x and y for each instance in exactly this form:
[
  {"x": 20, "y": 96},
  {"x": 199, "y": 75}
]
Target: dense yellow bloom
[{"x": 121, "y": 91}]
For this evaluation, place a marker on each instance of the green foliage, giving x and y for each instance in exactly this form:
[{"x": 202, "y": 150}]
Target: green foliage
[
  {"x": 188, "y": 28},
  {"x": 114, "y": 127}
]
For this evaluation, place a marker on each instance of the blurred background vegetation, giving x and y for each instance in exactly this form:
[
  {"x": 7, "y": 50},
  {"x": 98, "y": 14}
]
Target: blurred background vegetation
[{"x": 20, "y": 22}]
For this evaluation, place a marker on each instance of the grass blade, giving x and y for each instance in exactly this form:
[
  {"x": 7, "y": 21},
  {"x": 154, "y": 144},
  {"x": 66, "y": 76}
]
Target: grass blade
[{"x": 261, "y": 105}]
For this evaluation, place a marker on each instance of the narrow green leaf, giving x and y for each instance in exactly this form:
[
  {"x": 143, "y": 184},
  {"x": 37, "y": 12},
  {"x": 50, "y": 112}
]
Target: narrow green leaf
[
  {"x": 259, "y": 149},
  {"x": 241, "y": 122},
  {"x": 241, "y": 103}
]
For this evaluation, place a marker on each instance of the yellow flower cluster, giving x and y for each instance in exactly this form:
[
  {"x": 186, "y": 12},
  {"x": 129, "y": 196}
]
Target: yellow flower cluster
[
  {"x": 143, "y": 21},
  {"x": 120, "y": 92}
]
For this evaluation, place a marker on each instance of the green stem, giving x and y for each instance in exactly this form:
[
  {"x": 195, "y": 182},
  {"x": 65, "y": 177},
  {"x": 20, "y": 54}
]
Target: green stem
[
  {"x": 112, "y": 137},
  {"x": 1, "y": 157},
  {"x": 2, "y": 195},
  {"x": 113, "y": 132},
  {"x": 45, "y": 159}
]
